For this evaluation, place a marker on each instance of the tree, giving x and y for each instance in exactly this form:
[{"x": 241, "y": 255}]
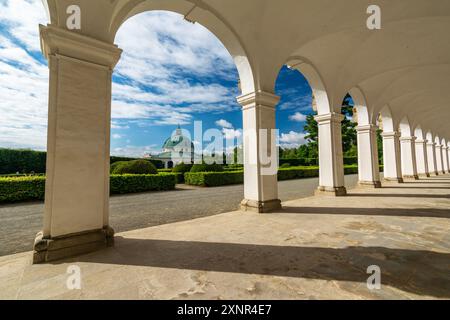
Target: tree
[{"x": 349, "y": 135}]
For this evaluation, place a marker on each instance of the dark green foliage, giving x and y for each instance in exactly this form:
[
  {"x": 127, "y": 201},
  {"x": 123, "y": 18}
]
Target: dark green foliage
[
  {"x": 206, "y": 168},
  {"x": 299, "y": 162},
  {"x": 214, "y": 179},
  {"x": 165, "y": 170},
  {"x": 22, "y": 189},
  {"x": 182, "y": 168},
  {"x": 133, "y": 167},
  {"x": 132, "y": 183},
  {"x": 285, "y": 165},
  {"x": 348, "y": 127},
  {"x": 350, "y": 161},
  {"x": 157, "y": 163},
  {"x": 22, "y": 161},
  {"x": 297, "y": 173},
  {"x": 33, "y": 188}
]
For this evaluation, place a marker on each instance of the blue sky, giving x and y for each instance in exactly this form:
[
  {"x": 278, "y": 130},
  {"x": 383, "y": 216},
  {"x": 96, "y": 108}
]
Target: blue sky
[{"x": 171, "y": 72}]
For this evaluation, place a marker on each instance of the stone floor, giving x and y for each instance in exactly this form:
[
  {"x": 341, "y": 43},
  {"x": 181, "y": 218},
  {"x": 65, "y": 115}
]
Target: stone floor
[{"x": 316, "y": 248}]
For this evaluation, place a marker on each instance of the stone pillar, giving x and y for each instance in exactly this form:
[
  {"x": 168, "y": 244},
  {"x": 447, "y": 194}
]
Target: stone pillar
[
  {"x": 408, "y": 156},
  {"x": 431, "y": 155},
  {"x": 439, "y": 160},
  {"x": 331, "y": 162},
  {"x": 78, "y": 144},
  {"x": 421, "y": 158},
  {"x": 260, "y": 176},
  {"x": 391, "y": 157},
  {"x": 368, "y": 166},
  {"x": 446, "y": 159}
]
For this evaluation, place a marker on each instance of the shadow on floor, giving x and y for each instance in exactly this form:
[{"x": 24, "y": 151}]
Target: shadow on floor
[
  {"x": 417, "y": 212},
  {"x": 415, "y": 271},
  {"x": 396, "y": 195},
  {"x": 402, "y": 186}
]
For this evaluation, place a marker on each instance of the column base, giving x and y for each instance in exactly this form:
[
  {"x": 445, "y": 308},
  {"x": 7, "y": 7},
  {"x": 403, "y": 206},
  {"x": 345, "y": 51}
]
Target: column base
[
  {"x": 46, "y": 250},
  {"x": 260, "y": 206},
  {"x": 398, "y": 180},
  {"x": 410, "y": 177},
  {"x": 424, "y": 175},
  {"x": 331, "y": 191},
  {"x": 369, "y": 184}
]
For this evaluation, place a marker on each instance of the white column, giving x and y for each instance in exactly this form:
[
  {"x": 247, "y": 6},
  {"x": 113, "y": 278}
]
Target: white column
[
  {"x": 76, "y": 214},
  {"x": 408, "y": 155},
  {"x": 431, "y": 155},
  {"x": 368, "y": 166},
  {"x": 331, "y": 161},
  {"x": 391, "y": 157},
  {"x": 421, "y": 158},
  {"x": 260, "y": 177},
  {"x": 446, "y": 159},
  {"x": 439, "y": 160}
]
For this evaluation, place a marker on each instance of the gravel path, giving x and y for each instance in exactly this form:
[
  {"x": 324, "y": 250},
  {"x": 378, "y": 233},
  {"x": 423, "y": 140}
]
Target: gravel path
[{"x": 19, "y": 223}]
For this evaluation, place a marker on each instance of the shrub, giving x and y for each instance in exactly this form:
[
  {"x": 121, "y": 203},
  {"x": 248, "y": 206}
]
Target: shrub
[
  {"x": 350, "y": 161},
  {"x": 182, "y": 167},
  {"x": 206, "y": 168},
  {"x": 214, "y": 179},
  {"x": 22, "y": 161},
  {"x": 297, "y": 173},
  {"x": 299, "y": 161},
  {"x": 134, "y": 167},
  {"x": 285, "y": 165},
  {"x": 353, "y": 169},
  {"x": 157, "y": 163},
  {"x": 165, "y": 171},
  {"x": 133, "y": 183},
  {"x": 22, "y": 189}
]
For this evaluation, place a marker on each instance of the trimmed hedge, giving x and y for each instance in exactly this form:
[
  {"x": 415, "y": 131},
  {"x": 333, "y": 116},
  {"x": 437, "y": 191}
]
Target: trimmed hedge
[
  {"x": 297, "y": 173},
  {"x": 157, "y": 163},
  {"x": 134, "y": 183},
  {"x": 133, "y": 167},
  {"x": 23, "y": 161},
  {"x": 299, "y": 161},
  {"x": 183, "y": 168},
  {"x": 214, "y": 179},
  {"x": 207, "y": 168},
  {"x": 33, "y": 188},
  {"x": 22, "y": 189}
]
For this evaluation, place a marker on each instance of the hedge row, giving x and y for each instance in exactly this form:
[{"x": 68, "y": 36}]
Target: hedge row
[
  {"x": 33, "y": 188},
  {"x": 22, "y": 161},
  {"x": 296, "y": 162},
  {"x": 214, "y": 179},
  {"x": 133, "y": 183},
  {"x": 21, "y": 189},
  {"x": 157, "y": 163}
]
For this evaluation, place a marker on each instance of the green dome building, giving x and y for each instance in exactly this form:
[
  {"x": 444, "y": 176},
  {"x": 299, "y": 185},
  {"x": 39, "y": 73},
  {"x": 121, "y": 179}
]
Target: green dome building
[{"x": 176, "y": 149}]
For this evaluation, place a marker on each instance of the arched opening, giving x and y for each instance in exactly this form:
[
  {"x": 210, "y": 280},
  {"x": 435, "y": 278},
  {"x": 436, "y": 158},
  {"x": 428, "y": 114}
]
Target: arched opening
[{"x": 175, "y": 83}]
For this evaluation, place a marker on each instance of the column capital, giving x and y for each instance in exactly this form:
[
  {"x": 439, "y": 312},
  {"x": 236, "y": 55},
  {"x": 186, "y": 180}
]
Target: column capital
[
  {"x": 409, "y": 139},
  {"x": 431, "y": 143},
  {"x": 392, "y": 134},
  {"x": 421, "y": 141},
  {"x": 367, "y": 127},
  {"x": 64, "y": 43},
  {"x": 258, "y": 98},
  {"x": 329, "y": 117}
]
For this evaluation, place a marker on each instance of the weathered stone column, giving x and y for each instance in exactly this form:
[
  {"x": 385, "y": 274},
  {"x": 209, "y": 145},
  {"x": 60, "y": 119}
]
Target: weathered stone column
[
  {"x": 368, "y": 166},
  {"x": 260, "y": 174},
  {"x": 331, "y": 160},
  {"x": 79, "y": 116},
  {"x": 408, "y": 155},
  {"x": 431, "y": 155},
  {"x": 439, "y": 160},
  {"x": 421, "y": 158},
  {"x": 391, "y": 157},
  {"x": 446, "y": 159}
]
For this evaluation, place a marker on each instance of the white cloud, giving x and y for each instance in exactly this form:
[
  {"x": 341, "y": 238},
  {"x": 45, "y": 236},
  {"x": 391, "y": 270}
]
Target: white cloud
[
  {"x": 299, "y": 117},
  {"x": 292, "y": 139},
  {"x": 117, "y": 136},
  {"x": 231, "y": 134},
  {"x": 224, "y": 124},
  {"x": 135, "y": 151}
]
